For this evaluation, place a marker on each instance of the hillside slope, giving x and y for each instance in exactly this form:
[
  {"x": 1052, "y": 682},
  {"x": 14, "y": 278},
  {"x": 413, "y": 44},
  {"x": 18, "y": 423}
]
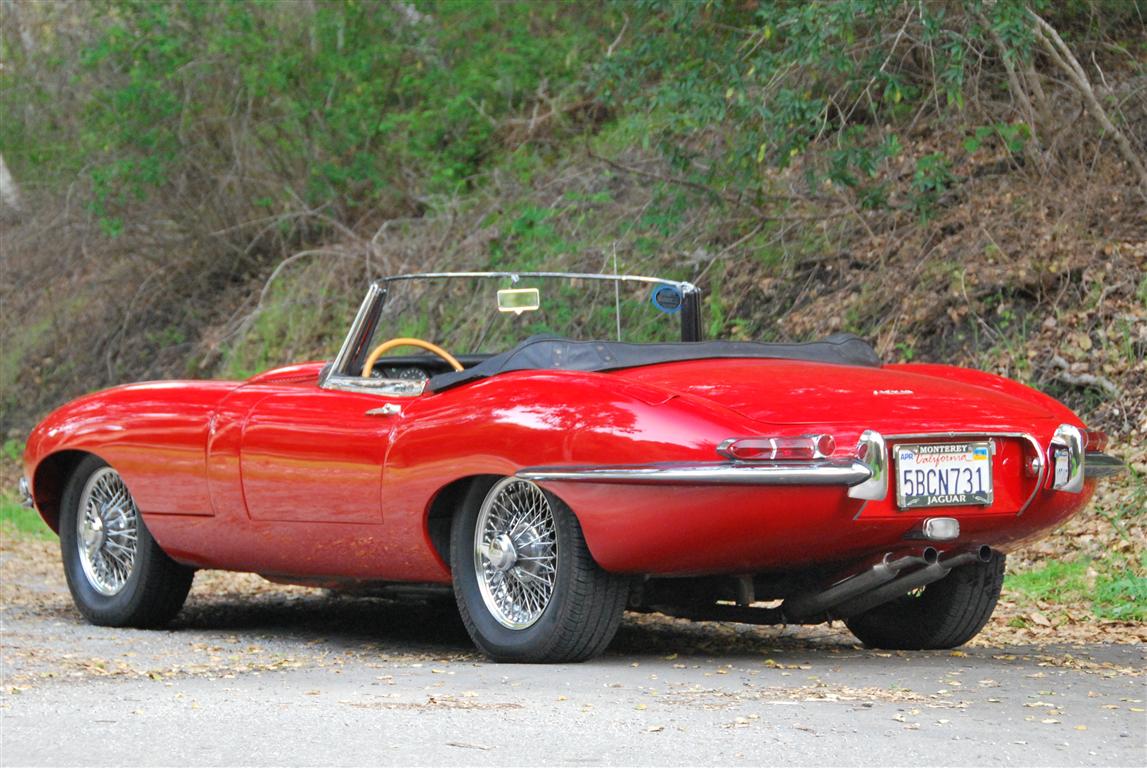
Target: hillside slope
[{"x": 205, "y": 188}]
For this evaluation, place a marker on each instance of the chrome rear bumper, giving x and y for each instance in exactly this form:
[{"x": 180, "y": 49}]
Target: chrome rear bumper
[
  {"x": 865, "y": 474},
  {"x": 848, "y": 472}
]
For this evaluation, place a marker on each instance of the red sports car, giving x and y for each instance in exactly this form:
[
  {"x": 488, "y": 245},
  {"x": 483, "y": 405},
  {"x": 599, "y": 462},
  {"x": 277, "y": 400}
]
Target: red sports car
[{"x": 556, "y": 481}]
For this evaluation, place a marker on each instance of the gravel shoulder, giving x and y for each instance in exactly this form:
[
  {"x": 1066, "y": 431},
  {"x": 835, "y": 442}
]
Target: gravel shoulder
[{"x": 254, "y": 673}]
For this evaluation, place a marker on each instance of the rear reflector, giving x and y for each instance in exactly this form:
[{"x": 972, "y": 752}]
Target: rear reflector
[{"x": 778, "y": 448}]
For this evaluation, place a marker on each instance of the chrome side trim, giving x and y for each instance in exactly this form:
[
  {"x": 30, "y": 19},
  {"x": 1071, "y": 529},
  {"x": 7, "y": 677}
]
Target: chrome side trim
[
  {"x": 1039, "y": 452},
  {"x": 846, "y": 472},
  {"x": 1096, "y": 465},
  {"x": 25, "y": 492},
  {"x": 1067, "y": 446},
  {"x": 873, "y": 452}
]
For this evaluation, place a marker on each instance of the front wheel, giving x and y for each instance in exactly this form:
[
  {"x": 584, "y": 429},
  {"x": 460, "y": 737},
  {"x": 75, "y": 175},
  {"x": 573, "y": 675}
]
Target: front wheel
[
  {"x": 945, "y": 614},
  {"x": 526, "y": 585},
  {"x": 117, "y": 574}
]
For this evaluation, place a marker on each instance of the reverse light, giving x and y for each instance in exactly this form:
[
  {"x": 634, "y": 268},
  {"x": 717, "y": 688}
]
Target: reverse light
[{"x": 778, "y": 448}]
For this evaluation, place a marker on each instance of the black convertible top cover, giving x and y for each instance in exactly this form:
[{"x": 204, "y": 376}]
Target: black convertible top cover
[{"x": 552, "y": 353}]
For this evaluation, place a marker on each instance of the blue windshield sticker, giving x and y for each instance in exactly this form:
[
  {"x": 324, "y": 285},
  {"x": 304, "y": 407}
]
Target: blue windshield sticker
[{"x": 667, "y": 298}]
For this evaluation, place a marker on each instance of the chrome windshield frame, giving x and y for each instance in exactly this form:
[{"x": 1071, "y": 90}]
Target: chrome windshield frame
[{"x": 355, "y": 348}]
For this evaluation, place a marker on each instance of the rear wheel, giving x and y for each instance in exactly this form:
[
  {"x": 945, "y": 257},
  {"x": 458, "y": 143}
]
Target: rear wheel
[
  {"x": 526, "y": 585},
  {"x": 117, "y": 574},
  {"x": 945, "y": 614}
]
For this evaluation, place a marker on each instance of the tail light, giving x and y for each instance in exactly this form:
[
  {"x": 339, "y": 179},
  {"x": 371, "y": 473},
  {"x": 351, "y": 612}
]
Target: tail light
[{"x": 778, "y": 448}]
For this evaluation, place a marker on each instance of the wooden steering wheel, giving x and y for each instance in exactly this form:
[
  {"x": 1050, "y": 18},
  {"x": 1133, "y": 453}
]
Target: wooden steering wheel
[{"x": 386, "y": 346}]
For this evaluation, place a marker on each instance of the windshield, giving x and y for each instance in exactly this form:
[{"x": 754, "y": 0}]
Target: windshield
[{"x": 486, "y": 313}]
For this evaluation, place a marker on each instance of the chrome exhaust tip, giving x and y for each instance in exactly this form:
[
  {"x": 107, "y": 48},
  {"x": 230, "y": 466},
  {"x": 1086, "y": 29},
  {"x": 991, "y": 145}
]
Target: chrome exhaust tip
[
  {"x": 809, "y": 604},
  {"x": 980, "y": 554},
  {"x": 938, "y": 568}
]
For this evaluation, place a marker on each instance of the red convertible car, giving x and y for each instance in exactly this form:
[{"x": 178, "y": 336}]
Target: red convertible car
[{"x": 555, "y": 481}]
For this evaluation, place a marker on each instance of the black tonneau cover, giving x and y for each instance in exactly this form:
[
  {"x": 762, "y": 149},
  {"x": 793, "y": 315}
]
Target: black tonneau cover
[{"x": 549, "y": 353}]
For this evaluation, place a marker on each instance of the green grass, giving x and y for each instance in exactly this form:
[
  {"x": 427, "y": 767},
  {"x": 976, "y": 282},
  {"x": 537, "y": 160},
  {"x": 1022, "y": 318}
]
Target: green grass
[
  {"x": 1115, "y": 587},
  {"x": 1056, "y": 582},
  {"x": 19, "y": 521}
]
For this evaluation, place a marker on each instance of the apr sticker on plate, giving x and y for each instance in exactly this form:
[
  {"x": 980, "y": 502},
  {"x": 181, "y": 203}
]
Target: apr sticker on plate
[{"x": 943, "y": 474}]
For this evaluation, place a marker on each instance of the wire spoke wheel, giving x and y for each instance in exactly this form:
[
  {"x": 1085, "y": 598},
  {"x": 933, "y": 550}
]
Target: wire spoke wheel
[
  {"x": 515, "y": 553},
  {"x": 107, "y": 532}
]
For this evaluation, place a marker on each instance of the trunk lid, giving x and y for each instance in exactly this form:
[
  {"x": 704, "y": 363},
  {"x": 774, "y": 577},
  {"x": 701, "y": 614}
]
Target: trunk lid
[{"x": 799, "y": 392}]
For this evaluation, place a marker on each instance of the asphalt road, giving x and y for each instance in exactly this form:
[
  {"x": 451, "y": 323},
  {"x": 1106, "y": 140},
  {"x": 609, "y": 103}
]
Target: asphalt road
[{"x": 289, "y": 678}]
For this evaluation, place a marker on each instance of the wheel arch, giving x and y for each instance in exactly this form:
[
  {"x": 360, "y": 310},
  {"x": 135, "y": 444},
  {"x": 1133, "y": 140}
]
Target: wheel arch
[
  {"x": 440, "y": 514},
  {"x": 49, "y": 479}
]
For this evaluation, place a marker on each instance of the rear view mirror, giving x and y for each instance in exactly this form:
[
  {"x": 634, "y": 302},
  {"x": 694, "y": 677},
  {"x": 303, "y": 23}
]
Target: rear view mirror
[{"x": 518, "y": 300}]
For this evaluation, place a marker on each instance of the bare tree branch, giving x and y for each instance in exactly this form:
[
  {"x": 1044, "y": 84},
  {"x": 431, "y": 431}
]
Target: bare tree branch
[
  {"x": 1062, "y": 56},
  {"x": 1018, "y": 91}
]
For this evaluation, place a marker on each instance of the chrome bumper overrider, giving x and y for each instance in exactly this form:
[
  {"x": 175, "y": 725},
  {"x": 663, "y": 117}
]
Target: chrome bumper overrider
[
  {"x": 1072, "y": 464},
  {"x": 25, "y": 492}
]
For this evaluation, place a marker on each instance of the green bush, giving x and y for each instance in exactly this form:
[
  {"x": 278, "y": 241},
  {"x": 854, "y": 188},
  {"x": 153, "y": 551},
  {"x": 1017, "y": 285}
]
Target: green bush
[
  {"x": 742, "y": 87},
  {"x": 338, "y": 106}
]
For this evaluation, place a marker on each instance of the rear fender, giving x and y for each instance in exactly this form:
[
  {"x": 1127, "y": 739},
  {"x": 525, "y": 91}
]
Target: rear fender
[{"x": 995, "y": 383}]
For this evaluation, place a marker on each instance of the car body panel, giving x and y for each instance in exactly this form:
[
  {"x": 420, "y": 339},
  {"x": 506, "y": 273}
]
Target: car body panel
[
  {"x": 279, "y": 476},
  {"x": 155, "y": 433},
  {"x": 347, "y": 471}
]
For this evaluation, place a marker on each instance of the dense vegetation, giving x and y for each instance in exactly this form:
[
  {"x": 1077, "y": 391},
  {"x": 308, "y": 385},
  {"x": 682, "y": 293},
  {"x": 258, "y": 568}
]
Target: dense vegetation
[{"x": 204, "y": 186}]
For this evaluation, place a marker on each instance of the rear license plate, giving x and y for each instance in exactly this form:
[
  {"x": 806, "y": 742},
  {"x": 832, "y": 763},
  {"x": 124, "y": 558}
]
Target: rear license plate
[{"x": 943, "y": 474}]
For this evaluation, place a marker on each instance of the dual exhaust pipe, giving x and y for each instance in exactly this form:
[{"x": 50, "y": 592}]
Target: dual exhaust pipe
[{"x": 879, "y": 584}]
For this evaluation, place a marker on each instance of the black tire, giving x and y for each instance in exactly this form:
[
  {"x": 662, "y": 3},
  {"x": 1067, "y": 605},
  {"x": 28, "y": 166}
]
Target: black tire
[
  {"x": 156, "y": 586},
  {"x": 946, "y": 614},
  {"x": 582, "y": 613}
]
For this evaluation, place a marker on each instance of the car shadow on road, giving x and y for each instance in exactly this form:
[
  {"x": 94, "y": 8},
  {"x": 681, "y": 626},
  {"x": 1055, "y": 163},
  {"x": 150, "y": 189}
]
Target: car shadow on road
[{"x": 434, "y": 627}]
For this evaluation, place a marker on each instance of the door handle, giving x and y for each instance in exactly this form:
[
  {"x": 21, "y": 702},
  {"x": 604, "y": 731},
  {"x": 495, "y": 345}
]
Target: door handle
[{"x": 390, "y": 409}]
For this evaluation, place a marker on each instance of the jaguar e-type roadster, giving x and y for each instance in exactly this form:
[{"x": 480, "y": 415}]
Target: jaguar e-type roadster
[{"x": 556, "y": 481}]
